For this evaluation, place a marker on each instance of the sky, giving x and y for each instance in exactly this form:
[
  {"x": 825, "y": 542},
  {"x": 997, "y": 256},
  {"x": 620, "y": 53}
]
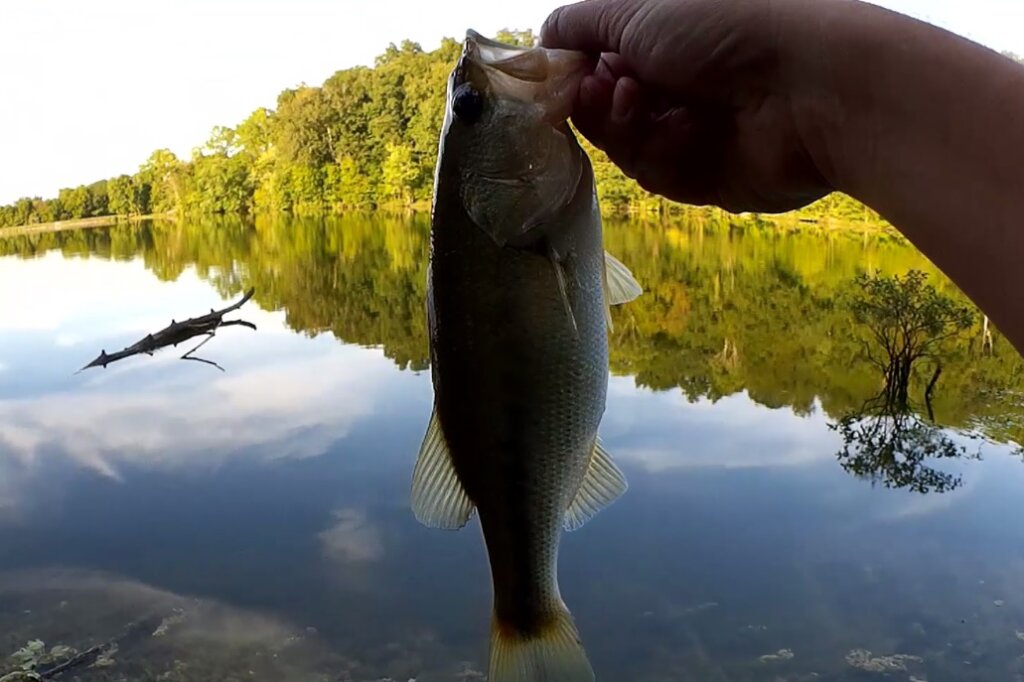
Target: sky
[{"x": 90, "y": 89}]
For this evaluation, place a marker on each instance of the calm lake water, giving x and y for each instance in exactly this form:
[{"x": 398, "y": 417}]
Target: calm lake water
[{"x": 255, "y": 524}]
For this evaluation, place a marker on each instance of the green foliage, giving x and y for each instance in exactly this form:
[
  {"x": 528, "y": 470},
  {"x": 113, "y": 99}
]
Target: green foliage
[
  {"x": 907, "y": 317},
  {"x": 906, "y": 320},
  {"x": 514, "y": 37},
  {"x": 398, "y": 174},
  {"x": 366, "y": 137},
  {"x": 166, "y": 176}
]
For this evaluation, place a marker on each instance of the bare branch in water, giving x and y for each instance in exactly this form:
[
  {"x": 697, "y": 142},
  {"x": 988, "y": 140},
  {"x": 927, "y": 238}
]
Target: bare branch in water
[{"x": 179, "y": 332}]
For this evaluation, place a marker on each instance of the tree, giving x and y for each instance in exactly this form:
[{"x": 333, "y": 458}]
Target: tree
[
  {"x": 353, "y": 188},
  {"x": 398, "y": 173},
  {"x": 303, "y": 133},
  {"x": 217, "y": 184},
  {"x": 514, "y": 37},
  {"x": 75, "y": 203},
  {"x": 908, "y": 321},
  {"x": 98, "y": 199},
  {"x": 165, "y": 174},
  {"x": 122, "y": 195}
]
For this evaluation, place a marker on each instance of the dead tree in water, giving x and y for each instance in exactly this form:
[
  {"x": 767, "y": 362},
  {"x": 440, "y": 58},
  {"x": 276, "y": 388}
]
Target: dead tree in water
[{"x": 179, "y": 332}]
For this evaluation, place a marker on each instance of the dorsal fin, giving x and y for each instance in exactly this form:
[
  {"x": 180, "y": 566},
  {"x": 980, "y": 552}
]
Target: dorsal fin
[
  {"x": 438, "y": 498},
  {"x": 603, "y": 483}
]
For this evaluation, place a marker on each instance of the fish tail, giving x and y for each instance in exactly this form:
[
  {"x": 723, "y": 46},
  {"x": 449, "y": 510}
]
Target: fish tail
[{"x": 553, "y": 654}]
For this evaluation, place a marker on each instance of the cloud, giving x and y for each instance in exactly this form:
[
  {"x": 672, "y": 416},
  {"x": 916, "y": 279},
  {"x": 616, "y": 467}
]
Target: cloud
[
  {"x": 352, "y": 538},
  {"x": 67, "y": 295},
  {"x": 662, "y": 431},
  {"x": 294, "y": 409},
  {"x": 297, "y": 407}
]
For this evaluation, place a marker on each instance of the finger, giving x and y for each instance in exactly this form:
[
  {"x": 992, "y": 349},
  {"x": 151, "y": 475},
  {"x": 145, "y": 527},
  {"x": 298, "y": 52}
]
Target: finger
[
  {"x": 623, "y": 129},
  {"x": 692, "y": 147},
  {"x": 625, "y": 102},
  {"x": 671, "y": 153},
  {"x": 612, "y": 66},
  {"x": 589, "y": 26}
]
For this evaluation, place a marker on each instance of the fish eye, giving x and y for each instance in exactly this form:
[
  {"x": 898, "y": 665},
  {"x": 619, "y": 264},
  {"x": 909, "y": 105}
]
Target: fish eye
[{"x": 467, "y": 103}]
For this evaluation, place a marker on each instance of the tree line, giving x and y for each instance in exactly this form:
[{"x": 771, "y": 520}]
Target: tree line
[{"x": 366, "y": 138}]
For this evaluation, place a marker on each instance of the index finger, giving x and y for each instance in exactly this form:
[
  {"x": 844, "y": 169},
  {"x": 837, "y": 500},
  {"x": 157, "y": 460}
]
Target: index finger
[{"x": 590, "y": 26}]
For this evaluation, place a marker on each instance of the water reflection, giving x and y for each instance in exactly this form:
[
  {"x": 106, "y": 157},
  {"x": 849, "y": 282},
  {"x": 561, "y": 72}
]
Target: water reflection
[
  {"x": 275, "y": 497},
  {"x": 139, "y": 628},
  {"x": 728, "y": 308},
  {"x": 905, "y": 323}
]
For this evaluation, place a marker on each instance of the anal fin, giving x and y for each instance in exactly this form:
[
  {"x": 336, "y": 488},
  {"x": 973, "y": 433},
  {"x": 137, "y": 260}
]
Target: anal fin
[
  {"x": 438, "y": 498},
  {"x": 603, "y": 483}
]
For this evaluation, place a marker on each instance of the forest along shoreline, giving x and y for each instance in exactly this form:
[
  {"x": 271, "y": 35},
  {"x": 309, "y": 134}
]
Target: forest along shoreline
[{"x": 365, "y": 139}]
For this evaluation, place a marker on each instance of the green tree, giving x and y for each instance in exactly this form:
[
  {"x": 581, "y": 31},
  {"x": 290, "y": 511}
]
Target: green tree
[
  {"x": 305, "y": 127},
  {"x": 75, "y": 203},
  {"x": 122, "y": 195},
  {"x": 399, "y": 173},
  {"x": 353, "y": 188},
  {"x": 165, "y": 175}
]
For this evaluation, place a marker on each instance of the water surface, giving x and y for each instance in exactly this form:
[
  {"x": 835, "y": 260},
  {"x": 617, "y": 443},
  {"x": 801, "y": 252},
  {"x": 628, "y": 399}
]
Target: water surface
[{"x": 256, "y": 520}]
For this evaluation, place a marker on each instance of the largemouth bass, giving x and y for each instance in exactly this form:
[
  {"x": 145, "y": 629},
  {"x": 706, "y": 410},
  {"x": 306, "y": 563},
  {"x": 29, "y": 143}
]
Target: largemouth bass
[{"x": 518, "y": 294}]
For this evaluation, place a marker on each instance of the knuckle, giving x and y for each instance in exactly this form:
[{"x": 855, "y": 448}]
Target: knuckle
[{"x": 552, "y": 26}]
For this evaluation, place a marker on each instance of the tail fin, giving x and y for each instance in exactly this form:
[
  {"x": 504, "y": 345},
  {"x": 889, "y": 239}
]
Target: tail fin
[{"x": 553, "y": 655}]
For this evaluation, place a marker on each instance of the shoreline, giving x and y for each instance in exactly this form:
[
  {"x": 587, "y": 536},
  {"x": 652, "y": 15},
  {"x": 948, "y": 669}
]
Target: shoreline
[
  {"x": 783, "y": 223},
  {"x": 76, "y": 224}
]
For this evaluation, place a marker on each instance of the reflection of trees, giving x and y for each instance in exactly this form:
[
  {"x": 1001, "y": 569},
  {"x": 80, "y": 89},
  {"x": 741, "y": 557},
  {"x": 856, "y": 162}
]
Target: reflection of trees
[
  {"x": 907, "y": 321},
  {"x": 727, "y": 307},
  {"x": 890, "y": 444}
]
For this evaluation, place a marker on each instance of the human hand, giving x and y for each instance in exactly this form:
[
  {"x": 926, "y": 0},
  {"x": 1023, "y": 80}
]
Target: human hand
[{"x": 701, "y": 101}]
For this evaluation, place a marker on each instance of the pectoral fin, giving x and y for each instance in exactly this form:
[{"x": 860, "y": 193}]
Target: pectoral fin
[
  {"x": 438, "y": 498},
  {"x": 619, "y": 286},
  {"x": 563, "y": 290},
  {"x": 602, "y": 484}
]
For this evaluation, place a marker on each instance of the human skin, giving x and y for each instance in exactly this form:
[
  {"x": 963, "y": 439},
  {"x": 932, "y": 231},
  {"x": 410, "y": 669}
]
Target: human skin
[{"x": 767, "y": 105}]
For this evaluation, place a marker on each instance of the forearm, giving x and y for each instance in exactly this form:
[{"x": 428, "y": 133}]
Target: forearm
[{"x": 928, "y": 129}]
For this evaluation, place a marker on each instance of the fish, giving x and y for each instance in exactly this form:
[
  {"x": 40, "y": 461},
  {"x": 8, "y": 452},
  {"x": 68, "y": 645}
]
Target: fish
[{"x": 518, "y": 294}]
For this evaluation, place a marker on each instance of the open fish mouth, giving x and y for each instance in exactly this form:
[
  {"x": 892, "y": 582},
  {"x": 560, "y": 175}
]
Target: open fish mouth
[{"x": 546, "y": 77}]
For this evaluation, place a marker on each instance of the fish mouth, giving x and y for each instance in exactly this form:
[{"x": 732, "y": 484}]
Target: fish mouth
[
  {"x": 547, "y": 77},
  {"x": 491, "y": 52}
]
